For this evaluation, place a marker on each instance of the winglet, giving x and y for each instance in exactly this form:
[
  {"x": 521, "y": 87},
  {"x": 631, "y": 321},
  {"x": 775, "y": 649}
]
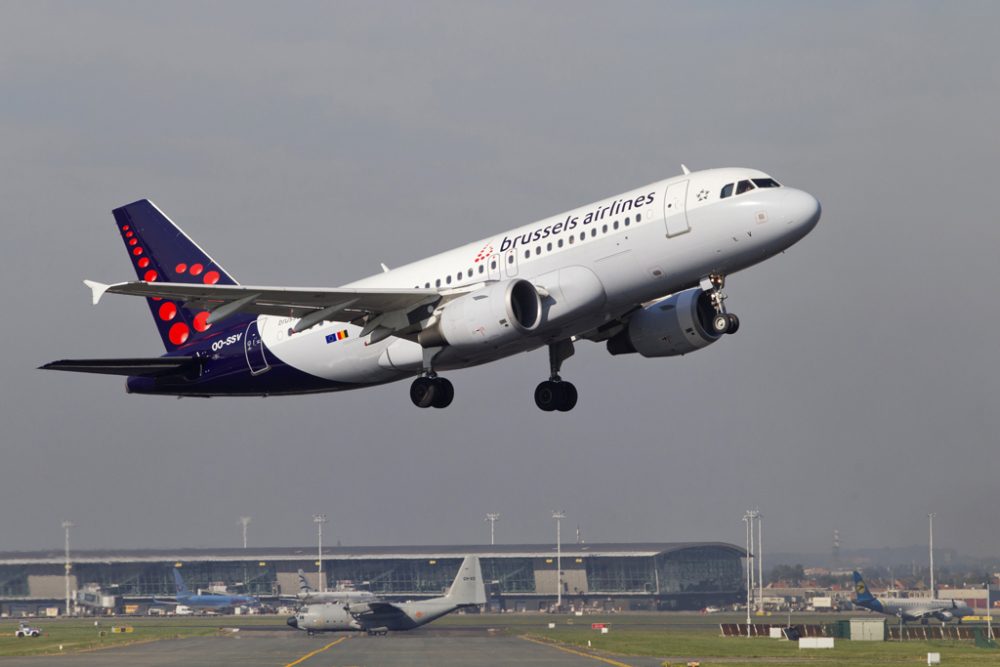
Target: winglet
[
  {"x": 685, "y": 169},
  {"x": 385, "y": 269},
  {"x": 97, "y": 290}
]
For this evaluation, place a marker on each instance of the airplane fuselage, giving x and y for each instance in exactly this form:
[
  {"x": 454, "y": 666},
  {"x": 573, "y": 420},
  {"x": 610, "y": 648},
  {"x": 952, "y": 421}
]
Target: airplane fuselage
[{"x": 597, "y": 262}]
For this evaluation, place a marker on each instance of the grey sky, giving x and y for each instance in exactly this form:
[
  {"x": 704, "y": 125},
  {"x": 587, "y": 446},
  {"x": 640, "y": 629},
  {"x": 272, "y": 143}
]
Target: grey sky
[{"x": 303, "y": 145}]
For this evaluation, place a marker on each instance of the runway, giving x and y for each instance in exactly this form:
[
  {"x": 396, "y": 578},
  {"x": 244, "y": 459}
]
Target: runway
[{"x": 292, "y": 649}]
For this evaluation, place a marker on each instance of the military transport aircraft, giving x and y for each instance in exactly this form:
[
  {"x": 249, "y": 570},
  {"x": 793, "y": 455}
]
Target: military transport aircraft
[
  {"x": 642, "y": 272},
  {"x": 379, "y": 616}
]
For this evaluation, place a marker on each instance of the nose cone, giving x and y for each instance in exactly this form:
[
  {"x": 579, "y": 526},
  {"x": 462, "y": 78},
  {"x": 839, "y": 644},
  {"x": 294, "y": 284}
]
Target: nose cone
[
  {"x": 292, "y": 621},
  {"x": 800, "y": 210}
]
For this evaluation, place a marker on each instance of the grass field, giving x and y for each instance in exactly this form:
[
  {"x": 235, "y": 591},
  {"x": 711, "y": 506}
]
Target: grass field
[{"x": 672, "y": 637}]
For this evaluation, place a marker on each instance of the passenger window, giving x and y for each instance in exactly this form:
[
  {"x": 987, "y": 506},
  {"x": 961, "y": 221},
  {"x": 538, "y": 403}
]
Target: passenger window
[
  {"x": 437, "y": 283},
  {"x": 427, "y": 285},
  {"x": 538, "y": 250},
  {"x": 626, "y": 222},
  {"x": 638, "y": 217},
  {"x": 493, "y": 264},
  {"x": 727, "y": 191},
  {"x": 572, "y": 240},
  {"x": 510, "y": 258},
  {"x": 615, "y": 225},
  {"x": 583, "y": 235},
  {"x": 481, "y": 266},
  {"x": 744, "y": 186},
  {"x": 527, "y": 254},
  {"x": 604, "y": 229},
  {"x": 766, "y": 183},
  {"x": 448, "y": 280},
  {"x": 593, "y": 232},
  {"x": 560, "y": 244},
  {"x": 548, "y": 246}
]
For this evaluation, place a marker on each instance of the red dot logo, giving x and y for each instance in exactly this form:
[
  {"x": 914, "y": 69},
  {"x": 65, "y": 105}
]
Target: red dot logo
[
  {"x": 144, "y": 262},
  {"x": 133, "y": 241},
  {"x": 137, "y": 251},
  {"x": 179, "y": 333},
  {"x": 168, "y": 311},
  {"x": 196, "y": 269},
  {"x": 149, "y": 276},
  {"x": 201, "y": 321},
  {"x": 181, "y": 268},
  {"x": 211, "y": 278},
  {"x": 124, "y": 228},
  {"x": 129, "y": 235}
]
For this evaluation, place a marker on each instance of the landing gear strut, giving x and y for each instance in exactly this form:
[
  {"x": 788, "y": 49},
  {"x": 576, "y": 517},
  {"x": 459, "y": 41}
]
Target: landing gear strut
[
  {"x": 722, "y": 322},
  {"x": 429, "y": 390},
  {"x": 554, "y": 393}
]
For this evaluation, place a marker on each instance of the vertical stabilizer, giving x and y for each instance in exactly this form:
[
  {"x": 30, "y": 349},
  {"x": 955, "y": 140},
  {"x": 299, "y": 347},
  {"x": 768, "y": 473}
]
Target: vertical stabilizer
[
  {"x": 161, "y": 252},
  {"x": 182, "y": 589},
  {"x": 468, "y": 588},
  {"x": 862, "y": 594}
]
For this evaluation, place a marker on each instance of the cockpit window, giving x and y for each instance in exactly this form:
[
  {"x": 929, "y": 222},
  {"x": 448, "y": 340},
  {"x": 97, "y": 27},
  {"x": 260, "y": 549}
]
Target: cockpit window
[
  {"x": 727, "y": 191},
  {"x": 766, "y": 183},
  {"x": 744, "y": 186}
]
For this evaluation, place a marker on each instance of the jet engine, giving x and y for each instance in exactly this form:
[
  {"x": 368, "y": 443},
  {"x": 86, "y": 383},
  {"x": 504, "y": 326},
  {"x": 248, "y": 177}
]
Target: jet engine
[
  {"x": 944, "y": 616},
  {"x": 679, "y": 324},
  {"x": 494, "y": 315}
]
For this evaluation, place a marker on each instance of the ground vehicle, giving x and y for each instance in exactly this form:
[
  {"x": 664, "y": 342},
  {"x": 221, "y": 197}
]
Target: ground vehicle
[{"x": 25, "y": 630}]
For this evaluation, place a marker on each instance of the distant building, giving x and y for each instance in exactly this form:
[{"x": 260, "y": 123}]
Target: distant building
[{"x": 673, "y": 575}]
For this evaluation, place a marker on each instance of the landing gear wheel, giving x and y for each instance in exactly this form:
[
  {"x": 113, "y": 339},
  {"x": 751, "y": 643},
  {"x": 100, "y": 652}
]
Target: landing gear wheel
[
  {"x": 567, "y": 396},
  {"x": 720, "y": 324},
  {"x": 423, "y": 391},
  {"x": 555, "y": 395},
  {"x": 444, "y": 393},
  {"x": 734, "y": 324},
  {"x": 546, "y": 396}
]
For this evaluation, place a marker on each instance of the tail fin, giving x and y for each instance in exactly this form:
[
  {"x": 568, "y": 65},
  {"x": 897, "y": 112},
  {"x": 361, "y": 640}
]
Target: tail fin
[
  {"x": 182, "y": 588},
  {"x": 468, "y": 587},
  {"x": 861, "y": 589},
  {"x": 160, "y": 251},
  {"x": 304, "y": 586}
]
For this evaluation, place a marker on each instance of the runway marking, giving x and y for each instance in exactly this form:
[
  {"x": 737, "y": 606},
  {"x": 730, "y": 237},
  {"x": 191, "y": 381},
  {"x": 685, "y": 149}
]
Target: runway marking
[
  {"x": 316, "y": 652},
  {"x": 567, "y": 649}
]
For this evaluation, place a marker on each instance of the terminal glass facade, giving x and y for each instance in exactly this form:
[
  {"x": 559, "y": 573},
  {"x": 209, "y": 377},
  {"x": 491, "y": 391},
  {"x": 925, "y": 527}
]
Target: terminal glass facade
[
  {"x": 700, "y": 570},
  {"x": 397, "y": 576},
  {"x": 512, "y": 575},
  {"x": 620, "y": 575}
]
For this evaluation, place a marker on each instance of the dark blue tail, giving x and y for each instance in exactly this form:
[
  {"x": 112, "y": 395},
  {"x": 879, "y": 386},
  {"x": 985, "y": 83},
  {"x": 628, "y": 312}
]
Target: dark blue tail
[
  {"x": 160, "y": 251},
  {"x": 182, "y": 589},
  {"x": 861, "y": 589}
]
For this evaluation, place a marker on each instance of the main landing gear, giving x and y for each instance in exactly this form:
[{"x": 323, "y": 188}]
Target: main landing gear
[
  {"x": 554, "y": 393},
  {"x": 722, "y": 322},
  {"x": 429, "y": 390}
]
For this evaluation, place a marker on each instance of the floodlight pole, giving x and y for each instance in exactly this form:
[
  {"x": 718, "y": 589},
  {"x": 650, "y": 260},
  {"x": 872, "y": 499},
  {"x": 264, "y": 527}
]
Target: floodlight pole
[
  {"x": 492, "y": 517},
  {"x": 319, "y": 520},
  {"x": 930, "y": 530},
  {"x": 559, "y": 515},
  {"x": 760, "y": 562},
  {"x": 244, "y": 521},
  {"x": 746, "y": 520},
  {"x": 989, "y": 615},
  {"x": 66, "y": 526}
]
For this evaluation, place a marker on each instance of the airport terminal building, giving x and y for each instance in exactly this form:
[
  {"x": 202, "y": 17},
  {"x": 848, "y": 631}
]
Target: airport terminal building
[{"x": 664, "y": 576}]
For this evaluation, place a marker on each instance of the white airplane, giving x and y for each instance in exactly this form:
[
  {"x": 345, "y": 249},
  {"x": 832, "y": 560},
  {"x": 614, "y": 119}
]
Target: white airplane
[
  {"x": 642, "y": 271},
  {"x": 379, "y": 616},
  {"x": 909, "y": 609},
  {"x": 309, "y": 595}
]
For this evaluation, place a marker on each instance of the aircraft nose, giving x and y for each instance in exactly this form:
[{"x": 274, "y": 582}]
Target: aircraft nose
[
  {"x": 800, "y": 209},
  {"x": 292, "y": 621}
]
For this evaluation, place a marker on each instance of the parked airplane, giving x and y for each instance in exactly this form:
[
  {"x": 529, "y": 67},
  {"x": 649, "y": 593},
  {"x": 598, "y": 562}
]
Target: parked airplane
[
  {"x": 642, "y": 272},
  {"x": 208, "y": 601},
  {"x": 379, "y": 617},
  {"x": 910, "y": 609},
  {"x": 309, "y": 595}
]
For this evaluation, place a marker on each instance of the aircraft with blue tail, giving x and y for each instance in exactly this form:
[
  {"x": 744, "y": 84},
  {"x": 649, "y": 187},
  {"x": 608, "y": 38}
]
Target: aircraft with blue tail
[
  {"x": 207, "y": 601},
  {"x": 642, "y": 273},
  {"x": 909, "y": 609}
]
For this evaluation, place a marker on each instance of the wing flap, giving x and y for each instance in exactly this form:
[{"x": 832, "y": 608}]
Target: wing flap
[
  {"x": 151, "y": 367},
  {"x": 287, "y": 301}
]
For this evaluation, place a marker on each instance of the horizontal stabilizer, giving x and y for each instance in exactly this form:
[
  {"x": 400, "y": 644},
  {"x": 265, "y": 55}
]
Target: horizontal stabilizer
[
  {"x": 97, "y": 290},
  {"x": 151, "y": 367}
]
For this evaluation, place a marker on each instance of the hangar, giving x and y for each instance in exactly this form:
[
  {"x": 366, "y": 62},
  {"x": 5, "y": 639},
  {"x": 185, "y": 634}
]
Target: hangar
[{"x": 660, "y": 575}]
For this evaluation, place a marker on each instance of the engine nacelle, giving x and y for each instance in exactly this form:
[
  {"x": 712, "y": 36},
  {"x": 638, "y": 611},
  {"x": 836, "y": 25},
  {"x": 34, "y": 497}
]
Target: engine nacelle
[
  {"x": 676, "y": 325},
  {"x": 494, "y": 315},
  {"x": 944, "y": 616}
]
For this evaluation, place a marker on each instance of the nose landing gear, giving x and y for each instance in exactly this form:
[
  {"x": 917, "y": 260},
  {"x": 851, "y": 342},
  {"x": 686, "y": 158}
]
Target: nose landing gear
[
  {"x": 722, "y": 322},
  {"x": 555, "y": 393}
]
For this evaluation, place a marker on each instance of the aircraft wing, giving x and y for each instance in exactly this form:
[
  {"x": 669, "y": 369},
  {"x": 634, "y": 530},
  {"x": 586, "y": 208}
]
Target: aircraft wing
[
  {"x": 391, "y": 309},
  {"x": 379, "y": 609},
  {"x": 152, "y": 367}
]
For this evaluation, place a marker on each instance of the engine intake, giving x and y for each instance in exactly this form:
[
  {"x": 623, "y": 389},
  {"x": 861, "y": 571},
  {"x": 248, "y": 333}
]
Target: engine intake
[{"x": 676, "y": 325}]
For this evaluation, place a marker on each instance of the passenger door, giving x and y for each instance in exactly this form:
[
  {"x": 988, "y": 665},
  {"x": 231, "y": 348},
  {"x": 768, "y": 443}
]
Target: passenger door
[
  {"x": 254, "y": 346},
  {"x": 675, "y": 209}
]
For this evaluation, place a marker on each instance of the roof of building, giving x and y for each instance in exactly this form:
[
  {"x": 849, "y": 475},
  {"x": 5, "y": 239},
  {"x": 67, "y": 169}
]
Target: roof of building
[{"x": 642, "y": 549}]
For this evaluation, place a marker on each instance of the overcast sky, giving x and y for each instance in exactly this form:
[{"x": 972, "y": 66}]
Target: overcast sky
[{"x": 306, "y": 143}]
